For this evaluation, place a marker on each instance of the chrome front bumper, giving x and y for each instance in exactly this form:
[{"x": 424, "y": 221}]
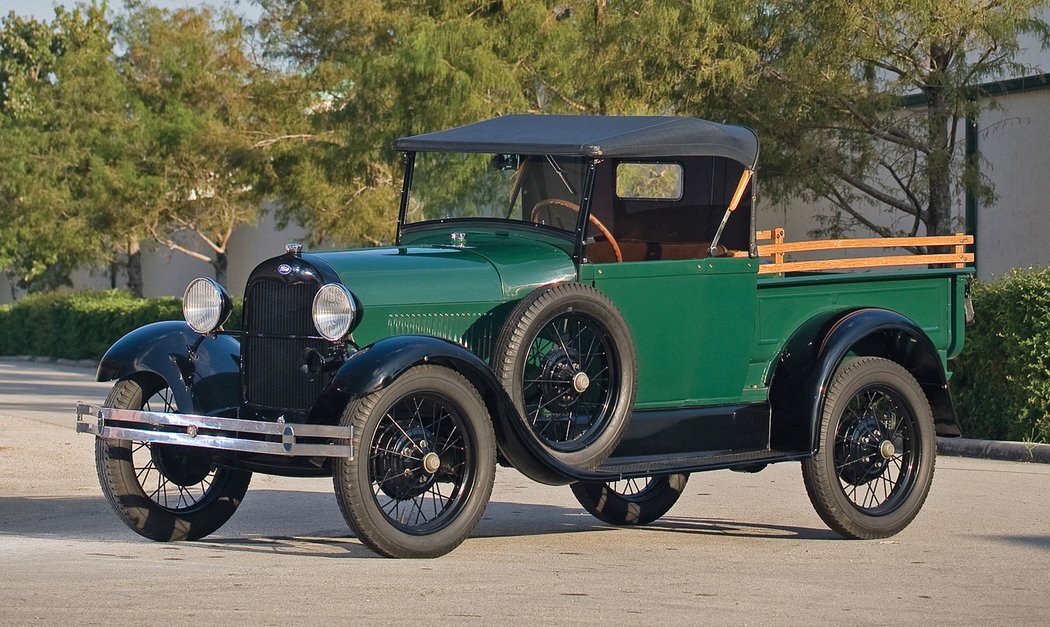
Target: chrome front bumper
[{"x": 227, "y": 434}]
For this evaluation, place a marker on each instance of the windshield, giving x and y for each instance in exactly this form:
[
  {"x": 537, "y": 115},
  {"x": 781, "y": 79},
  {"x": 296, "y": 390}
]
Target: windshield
[{"x": 539, "y": 189}]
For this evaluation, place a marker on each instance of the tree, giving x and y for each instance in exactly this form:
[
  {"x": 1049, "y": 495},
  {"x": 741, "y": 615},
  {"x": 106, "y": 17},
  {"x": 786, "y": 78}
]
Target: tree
[
  {"x": 369, "y": 72},
  {"x": 366, "y": 73},
  {"x": 195, "y": 92},
  {"x": 861, "y": 104},
  {"x": 629, "y": 57},
  {"x": 49, "y": 143},
  {"x": 858, "y": 104}
]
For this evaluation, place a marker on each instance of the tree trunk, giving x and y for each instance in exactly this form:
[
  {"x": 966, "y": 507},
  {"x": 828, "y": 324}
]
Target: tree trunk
[
  {"x": 219, "y": 263},
  {"x": 135, "y": 284},
  {"x": 12, "y": 282},
  {"x": 938, "y": 164}
]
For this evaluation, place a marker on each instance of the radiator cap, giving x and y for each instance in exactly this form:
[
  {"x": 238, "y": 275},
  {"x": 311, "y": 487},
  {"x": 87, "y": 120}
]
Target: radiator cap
[{"x": 295, "y": 250}]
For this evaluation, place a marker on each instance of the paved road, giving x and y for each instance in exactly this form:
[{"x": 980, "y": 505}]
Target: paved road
[{"x": 737, "y": 549}]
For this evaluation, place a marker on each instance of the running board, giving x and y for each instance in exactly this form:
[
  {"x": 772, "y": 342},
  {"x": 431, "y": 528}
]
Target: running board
[{"x": 617, "y": 468}]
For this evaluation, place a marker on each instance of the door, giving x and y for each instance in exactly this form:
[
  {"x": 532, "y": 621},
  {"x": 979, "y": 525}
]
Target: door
[{"x": 693, "y": 323}]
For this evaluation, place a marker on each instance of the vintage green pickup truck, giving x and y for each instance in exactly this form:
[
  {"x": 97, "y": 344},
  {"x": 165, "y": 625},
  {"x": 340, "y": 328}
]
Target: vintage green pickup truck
[{"x": 584, "y": 299}]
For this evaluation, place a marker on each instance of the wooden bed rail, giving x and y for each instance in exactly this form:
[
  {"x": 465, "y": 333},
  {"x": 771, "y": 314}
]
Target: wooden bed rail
[{"x": 776, "y": 250}]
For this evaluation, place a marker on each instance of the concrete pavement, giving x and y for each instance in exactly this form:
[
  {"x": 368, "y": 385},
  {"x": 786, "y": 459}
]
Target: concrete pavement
[{"x": 740, "y": 549}]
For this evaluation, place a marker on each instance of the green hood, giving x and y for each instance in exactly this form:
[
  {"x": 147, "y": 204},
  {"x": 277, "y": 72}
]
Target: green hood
[{"x": 487, "y": 270}]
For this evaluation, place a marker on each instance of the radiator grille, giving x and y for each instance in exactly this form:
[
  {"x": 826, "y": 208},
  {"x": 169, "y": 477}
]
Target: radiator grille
[
  {"x": 278, "y": 328},
  {"x": 281, "y": 309}
]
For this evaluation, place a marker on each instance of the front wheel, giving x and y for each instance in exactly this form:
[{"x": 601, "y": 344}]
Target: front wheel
[
  {"x": 631, "y": 501},
  {"x": 425, "y": 464},
  {"x": 164, "y": 492},
  {"x": 874, "y": 466}
]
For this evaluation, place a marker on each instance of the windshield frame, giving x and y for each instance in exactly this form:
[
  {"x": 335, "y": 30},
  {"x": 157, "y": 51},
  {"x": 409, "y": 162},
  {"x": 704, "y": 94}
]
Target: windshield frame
[{"x": 575, "y": 236}]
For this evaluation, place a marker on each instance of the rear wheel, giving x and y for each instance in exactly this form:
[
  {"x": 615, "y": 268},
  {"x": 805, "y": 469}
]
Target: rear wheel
[
  {"x": 631, "y": 501},
  {"x": 164, "y": 492},
  {"x": 874, "y": 467},
  {"x": 425, "y": 463}
]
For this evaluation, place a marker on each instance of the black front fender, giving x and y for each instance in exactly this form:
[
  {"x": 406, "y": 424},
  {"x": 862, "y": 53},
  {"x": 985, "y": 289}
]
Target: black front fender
[
  {"x": 203, "y": 372},
  {"x": 375, "y": 366},
  {"x": 810, "y": 359}
]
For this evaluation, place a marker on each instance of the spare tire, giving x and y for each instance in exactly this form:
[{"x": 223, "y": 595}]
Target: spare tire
[{"x": 567, "y": 360}]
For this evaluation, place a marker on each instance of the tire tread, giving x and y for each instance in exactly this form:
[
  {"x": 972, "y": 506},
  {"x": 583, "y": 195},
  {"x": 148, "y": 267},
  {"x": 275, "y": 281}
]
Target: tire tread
[
  {"x": 825, "y": 492},
  {"x": 121, "y": 488},
  {"x": 355, "y": 504},
  {"x": 511, "y": 342}
]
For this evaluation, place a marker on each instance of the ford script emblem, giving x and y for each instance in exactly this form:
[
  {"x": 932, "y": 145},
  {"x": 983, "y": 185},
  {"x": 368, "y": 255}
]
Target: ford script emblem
[{"x": 284, "y": 269}]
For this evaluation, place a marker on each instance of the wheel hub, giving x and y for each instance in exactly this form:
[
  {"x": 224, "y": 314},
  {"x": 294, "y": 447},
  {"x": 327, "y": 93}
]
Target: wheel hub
[
  {"x": 563, "y": 381},
  {"x": 862, "y": 452},
  {"x": 431, "y": 462},
  {"x": 407, "y": 465},
  {"x": 183, "y": 468},
  {"x": 887, "y": 449}
]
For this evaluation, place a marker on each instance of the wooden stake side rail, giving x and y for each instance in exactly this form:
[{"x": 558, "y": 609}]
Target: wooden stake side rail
[{"x": 958, "y": 258}]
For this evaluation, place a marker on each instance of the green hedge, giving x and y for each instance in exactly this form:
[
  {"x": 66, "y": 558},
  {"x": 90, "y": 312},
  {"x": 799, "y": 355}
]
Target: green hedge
[
  {"x": 1001, "y": 384},
  {"x": 81, "y": 325}
]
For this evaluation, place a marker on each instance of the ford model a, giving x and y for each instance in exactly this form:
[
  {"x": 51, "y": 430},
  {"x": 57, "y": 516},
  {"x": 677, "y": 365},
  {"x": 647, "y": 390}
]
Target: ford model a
[{"x": 582, "y": 298}]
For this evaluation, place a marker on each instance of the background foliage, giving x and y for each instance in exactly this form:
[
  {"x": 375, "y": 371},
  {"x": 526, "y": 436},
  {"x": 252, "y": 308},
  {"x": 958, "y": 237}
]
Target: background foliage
[
  {"x": 82, "y": 325},
  {"x": 1001, "y": 384},
  {"x": 175, "y": 127}
]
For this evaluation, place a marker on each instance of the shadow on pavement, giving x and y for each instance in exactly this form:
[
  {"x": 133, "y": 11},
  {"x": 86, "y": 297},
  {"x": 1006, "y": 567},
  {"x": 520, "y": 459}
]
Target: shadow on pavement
[
  {"x": 76, "y": 518},
  {"x": 1038, "y": 542},
  {"x": 308, "y": 523},
  {"x": 735, "y": 529}
]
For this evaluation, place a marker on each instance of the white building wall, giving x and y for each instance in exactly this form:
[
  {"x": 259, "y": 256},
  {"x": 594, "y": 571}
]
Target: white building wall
[
  {"x": 1031, "y": 53},
  {"x": 166, "y": 273},
  {"x": 1012, "y": 232},
  {"x": 1014, "y": 141}
]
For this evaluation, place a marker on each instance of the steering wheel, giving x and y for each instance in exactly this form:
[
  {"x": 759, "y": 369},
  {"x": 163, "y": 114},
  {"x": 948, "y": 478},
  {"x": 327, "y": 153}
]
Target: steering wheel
[{"x": 542, "y": 213}]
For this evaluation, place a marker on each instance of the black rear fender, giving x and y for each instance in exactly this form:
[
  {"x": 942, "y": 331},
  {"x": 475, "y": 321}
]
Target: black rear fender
[
  {"x": 805, "y": 368},
  {"x": 203, "y": 372},
  {"x": 377, "y": 365}
]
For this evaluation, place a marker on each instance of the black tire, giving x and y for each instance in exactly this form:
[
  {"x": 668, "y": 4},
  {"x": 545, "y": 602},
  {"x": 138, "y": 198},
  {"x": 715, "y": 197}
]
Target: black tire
[
  {"x": 398, "y": 503},
  {"x": 631, "y": 501},
  {"x": 875, "y": 463},
  {"x": 164, "y": 492},
  {"x": 556, "y": 341}
]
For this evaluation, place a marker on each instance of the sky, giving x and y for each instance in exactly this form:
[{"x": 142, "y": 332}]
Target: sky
[{"x": 44, "y": 9}]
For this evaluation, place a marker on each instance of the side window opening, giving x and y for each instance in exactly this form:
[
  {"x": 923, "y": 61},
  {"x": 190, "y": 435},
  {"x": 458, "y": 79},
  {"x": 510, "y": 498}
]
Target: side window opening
[
  {"x": 649, "y": 181},
  {"x": 667, "y": 208}
]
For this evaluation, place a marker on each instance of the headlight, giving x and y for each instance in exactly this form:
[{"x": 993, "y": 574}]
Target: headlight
[
  {"x": 205, "y": 305},
  {"x": 334, "y": 311}
]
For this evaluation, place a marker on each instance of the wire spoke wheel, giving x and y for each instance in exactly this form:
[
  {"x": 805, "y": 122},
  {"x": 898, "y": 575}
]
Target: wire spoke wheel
[
  {"x": 566, "y": 358},
  {"x": 425, "y": 464},
  {"x": 875, "y": 456},
  {"x": 164, "y": 492},
  {"x": 568, "y": 381},
  {"x": 874, "y": 465},
  {"x": 175, "y": 478},
  {"x": 634, "y": 501},
  {"x": 419, "y": 461}
]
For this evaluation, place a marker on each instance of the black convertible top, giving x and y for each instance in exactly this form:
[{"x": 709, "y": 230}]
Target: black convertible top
[{"x": 593, "y": 136}]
